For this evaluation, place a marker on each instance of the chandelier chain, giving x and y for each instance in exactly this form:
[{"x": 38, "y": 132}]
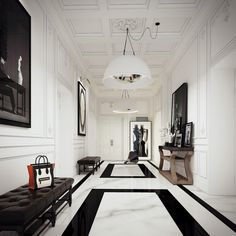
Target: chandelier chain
[
  {"x": 129, "y": 37},
  {"x": 127, "y": 32},
  {"x": 131, "y": 44},
  {"x": 125, "y": 94}
]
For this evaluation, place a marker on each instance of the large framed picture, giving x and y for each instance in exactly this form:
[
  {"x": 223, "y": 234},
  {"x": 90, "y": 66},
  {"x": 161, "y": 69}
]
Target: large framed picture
[
  {"x": 179, "y": 108},
  {"x": 15, "y": 71},
  {"x": 140, "y": 138},
  {"x": 81, "y": 110}
]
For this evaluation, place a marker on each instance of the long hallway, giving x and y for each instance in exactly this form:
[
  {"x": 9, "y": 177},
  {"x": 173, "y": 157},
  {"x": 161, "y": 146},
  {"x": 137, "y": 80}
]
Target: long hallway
[{"x": 136, "y": 200}]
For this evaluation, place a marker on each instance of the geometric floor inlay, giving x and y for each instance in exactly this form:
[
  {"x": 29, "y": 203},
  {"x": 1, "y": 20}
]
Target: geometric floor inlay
[{"x": 165, "y": 210}]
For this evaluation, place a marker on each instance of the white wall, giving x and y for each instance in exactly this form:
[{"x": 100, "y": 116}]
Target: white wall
[
  {"x": 64, "y": 131},
  {"x": 222, "y": 132},
  {"x": 54, "y": 91},
  {"x": 92, "y": 125},
  {"x": 19, "y": 146},
  {"x": 211, "y": 98}
]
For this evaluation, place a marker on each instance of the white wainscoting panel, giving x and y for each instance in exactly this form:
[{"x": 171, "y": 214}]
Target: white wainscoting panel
[
  {"x": 202, "y": 164},
  {"x": 202, "y": 84},
  {"x": 50, "y": 83},
  {"x": 65, "y": 65},
  {"x": 223, "y": 30}
]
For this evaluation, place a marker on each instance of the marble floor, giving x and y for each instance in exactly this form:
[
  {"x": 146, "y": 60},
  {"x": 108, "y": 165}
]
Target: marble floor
[{"x": 137, "y": 200}]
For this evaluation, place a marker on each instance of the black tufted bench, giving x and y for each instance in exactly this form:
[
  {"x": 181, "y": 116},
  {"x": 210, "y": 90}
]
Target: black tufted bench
[
  {"x": 93, "y": 161},
  {"x": 21, "y": 209}
]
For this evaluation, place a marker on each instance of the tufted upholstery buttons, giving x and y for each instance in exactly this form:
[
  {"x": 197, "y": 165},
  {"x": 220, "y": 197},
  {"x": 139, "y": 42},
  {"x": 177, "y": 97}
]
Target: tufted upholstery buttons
[{"x": 20, "y": 206}]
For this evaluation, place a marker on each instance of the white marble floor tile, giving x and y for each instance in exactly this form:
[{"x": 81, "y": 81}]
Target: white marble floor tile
[
  {"x": 134, "y": 214},
  {"x": 208, "y": 221},
  {"x": 226, "y": 205},
  {"x": 126, "y": 170}
]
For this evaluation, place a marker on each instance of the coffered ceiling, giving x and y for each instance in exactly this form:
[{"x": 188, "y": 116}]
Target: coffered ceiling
[{"x": 98, "y": 30}]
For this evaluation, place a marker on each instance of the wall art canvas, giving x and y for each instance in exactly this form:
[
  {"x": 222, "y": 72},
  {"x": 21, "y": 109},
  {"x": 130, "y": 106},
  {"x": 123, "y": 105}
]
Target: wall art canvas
[
  {"x": 140, "y": 138},
  {"x": 81, "y": 110},
  {"x": 15, "y": 58},
  {"x": 179, "y": 108}
]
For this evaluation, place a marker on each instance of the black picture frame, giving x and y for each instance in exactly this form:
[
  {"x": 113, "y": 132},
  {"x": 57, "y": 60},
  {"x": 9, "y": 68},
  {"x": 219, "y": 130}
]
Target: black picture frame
[
  {"x": 188, "y": 134},
  {"x": 15, "y": 64},
  {"x": 81, "y": 110},
  {"x": 141, "y": 139},
  {"x": 179, "y": 107}
]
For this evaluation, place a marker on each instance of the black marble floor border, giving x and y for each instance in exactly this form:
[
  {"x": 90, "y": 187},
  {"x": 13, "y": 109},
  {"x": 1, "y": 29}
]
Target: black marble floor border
[
  {"x": 213, "y": 211},
  {"x": 84, "y": 218},
  {"x": 153, "y": 165},
  {"x": 83, "y": 180},
  {"x": 216, "y": 213},
  {"x": 73, "y": 190},
  {"x": 146, "y": 171},
  {"x": 108, "y": 171}
]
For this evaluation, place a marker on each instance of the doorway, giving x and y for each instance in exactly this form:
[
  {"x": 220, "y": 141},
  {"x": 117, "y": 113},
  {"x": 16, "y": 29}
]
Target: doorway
[{"x": 111, "y": 138}]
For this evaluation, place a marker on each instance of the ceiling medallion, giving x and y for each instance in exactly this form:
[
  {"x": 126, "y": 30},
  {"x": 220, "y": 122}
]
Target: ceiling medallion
[{"x": 132, "y": 23}]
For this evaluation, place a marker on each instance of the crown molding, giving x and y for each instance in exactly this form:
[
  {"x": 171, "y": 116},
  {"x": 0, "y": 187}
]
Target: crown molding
[
  {"x": 51, "y": 9},
  {"x": 205, "y": 11}
]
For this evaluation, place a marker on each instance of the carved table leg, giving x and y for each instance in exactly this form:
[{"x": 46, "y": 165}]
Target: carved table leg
[
  {"x": 161, "y": 159},
  {"x": 187, "y": 168},
  {"x": 161, "y": 163},
  {"x": 173, "y": 169}
]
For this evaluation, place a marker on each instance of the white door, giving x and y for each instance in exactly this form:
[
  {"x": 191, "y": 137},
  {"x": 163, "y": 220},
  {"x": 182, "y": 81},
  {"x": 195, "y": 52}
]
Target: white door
[{"x": 111, "y": 141}]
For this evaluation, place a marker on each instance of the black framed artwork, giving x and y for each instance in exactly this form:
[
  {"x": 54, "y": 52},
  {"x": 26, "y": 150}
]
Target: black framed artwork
[
  {"x": 188, "y": 134},
  {"x": 140, "y": 138},
  {"x": 81, "y": 110},
  {"x": 15, "y": 64},
  {"x": 179, "y": 108}
]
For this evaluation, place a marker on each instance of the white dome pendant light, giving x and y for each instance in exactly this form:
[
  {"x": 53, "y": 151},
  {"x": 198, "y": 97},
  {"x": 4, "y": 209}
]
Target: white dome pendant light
[
  {"x": 126, "y": 105},
  {"x": 128, "y": 71}
]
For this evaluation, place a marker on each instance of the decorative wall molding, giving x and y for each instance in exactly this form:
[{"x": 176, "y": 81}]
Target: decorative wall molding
[
  {"x": 202, "y": 84},
  {"x": 200, "y": 142},
  {"x": 117, "y": 4},
  {"x": 222, "y": 31},
  {"x": 62, "y": 32},
  {"x": 27, "y": 150},
  {"x": 178, "y": 4},
  {"x": 79, "y": 145},
  {"x": 79, "y": 5},
  {"x": 202, "y": 164},
  {"x": 229, "y": 47},
  {"x": 223, "y": 10},
  {"x": 50, "y": 81},
  {"x": 64, "y": 64},
  {"x": 10, "y": 141},
  {"x": 94, "y": 28}
]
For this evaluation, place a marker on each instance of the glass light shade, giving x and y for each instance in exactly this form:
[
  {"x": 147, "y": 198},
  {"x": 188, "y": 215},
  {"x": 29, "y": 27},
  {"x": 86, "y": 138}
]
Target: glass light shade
[
  {"x": 125, "y": 106},
  {"x": 127, "y": 72}
]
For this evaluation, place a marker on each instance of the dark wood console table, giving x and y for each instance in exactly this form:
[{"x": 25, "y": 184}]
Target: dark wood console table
[{"x": 176, "y": 153}]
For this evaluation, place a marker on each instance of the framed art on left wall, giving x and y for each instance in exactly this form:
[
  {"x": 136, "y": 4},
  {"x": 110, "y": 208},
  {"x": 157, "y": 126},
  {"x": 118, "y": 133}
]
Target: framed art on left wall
[
  {"x": 15, "y": 66},
  {"x": 81, "y": 110}
]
